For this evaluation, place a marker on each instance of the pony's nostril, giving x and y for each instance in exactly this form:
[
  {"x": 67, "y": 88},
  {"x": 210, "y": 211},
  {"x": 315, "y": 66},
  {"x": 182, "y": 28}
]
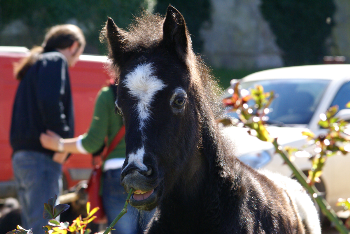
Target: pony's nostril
[
  {"x": 133, "y": 168},
  {"x": 129, "y": 169},
  {"x": 147, "y": 173}
]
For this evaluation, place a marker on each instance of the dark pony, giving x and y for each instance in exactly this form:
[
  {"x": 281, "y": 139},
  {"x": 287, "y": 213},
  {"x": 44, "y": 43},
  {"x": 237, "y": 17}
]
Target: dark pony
[{"x": 177, "y": 161}]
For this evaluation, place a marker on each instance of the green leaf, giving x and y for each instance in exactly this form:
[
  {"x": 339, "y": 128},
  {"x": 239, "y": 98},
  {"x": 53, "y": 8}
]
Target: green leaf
[
  {"x": 344, "y": 203},
  {"x": 51, "y": 211},
  {"x": 52, "y": 201},
  {"x": 323, "y": 124},
  {"x": 59, "y": 209},
  {"x": 333, "y": 120},
  {"x": 344, "y": 150},
  {"x": 54, "y": 222},
  {"x": 48, "y": 211},
  {"x": 331, "y": 153},
  {"x": 314, "y": 175},
  {"x": 331, "y": 111},
  {"x": 309, "y": 134},
  {"x": 262, "y": 133}
]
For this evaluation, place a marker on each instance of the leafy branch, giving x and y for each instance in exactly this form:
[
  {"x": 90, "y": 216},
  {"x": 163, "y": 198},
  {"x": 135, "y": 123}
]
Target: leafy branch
[
  {"x": 78, "y": 226},
  {"x": 254, "y": 117},
  {"x": 123, "y": 212},
  {"x": 333, "y": 142}
]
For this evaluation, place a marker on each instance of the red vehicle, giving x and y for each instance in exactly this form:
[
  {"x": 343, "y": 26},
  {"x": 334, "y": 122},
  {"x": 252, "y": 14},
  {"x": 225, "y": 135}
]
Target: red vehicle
[{"x": 87, "y": 78}]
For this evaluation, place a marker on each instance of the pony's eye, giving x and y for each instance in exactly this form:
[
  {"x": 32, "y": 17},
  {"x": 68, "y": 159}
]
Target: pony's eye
[{"x": 178, "y": 100}]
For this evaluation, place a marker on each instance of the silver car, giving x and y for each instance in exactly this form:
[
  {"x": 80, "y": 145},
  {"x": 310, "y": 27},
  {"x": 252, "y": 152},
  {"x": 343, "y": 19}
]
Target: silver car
[{"x": 303, "y": 93}]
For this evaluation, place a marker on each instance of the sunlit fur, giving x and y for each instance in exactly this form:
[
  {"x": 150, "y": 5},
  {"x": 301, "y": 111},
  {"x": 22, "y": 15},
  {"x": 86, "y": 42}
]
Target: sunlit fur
[{"x": 199, "y": 185}]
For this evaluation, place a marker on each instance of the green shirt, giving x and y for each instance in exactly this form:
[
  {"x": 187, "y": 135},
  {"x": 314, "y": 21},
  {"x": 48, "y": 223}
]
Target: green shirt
[{"x": 105, "y": 124}]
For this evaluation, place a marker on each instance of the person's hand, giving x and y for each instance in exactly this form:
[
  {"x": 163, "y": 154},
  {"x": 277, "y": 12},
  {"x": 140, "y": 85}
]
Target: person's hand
[
  {"x": 96, "y": 160},
  {"x": 50, "y": 140},
  {"x": 60, "y": 157}
]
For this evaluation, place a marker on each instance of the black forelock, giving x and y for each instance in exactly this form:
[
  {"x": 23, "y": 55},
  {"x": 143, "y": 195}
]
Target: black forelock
[{"x": 145, "y": 31}]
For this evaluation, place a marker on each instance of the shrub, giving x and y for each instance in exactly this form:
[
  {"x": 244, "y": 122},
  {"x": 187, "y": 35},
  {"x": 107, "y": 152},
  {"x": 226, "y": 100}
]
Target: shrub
[
  {"x": 90, "y": 15},
  {"x": 301, "y": 28}
]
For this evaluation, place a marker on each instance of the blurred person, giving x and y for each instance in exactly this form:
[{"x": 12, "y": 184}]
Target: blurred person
[
  {"x": 105, "y": 125},
  {"x": 43, "y": 101}
]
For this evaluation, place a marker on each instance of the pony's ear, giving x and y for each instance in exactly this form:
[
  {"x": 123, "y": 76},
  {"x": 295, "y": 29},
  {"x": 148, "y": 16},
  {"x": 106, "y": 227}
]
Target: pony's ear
[
  {"x": 116, "y": 41},
  {"x": 175, "y": 34}
]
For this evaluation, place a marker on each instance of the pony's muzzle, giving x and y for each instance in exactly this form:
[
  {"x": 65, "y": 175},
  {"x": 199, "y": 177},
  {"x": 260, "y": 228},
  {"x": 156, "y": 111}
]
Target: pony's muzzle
[
  {"x": 144, "y": 187},
  {"x": 137, "y": 179}
]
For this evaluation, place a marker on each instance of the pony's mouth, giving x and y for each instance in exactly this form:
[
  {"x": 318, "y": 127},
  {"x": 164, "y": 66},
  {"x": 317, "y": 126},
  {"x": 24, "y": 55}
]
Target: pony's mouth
[
  {"x": 140, "y": 195},
  {"x": 144, "y": 200}
]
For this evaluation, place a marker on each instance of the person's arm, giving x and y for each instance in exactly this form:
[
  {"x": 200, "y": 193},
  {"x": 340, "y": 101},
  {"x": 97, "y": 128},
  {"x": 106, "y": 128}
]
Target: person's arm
[
  {"x": 59, "y": 157},
  {"x": 53, "y": 141},
  {"x": 91, "y": 141},
  {"x": 51, "y": 91}
]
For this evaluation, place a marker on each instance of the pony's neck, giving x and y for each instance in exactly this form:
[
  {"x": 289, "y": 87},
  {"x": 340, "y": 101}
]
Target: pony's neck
[
  {"x": 205, "y": 165},
  {"x": 196, "y": 200},
  {"x": 192, "y": 203}
]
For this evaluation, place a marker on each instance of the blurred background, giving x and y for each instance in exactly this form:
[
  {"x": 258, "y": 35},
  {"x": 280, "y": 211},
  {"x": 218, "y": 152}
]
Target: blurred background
[{"x": 235, "y": 37}]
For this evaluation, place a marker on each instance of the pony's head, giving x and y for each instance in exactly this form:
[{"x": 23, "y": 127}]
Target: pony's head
[{"x": 162, "y": 91}]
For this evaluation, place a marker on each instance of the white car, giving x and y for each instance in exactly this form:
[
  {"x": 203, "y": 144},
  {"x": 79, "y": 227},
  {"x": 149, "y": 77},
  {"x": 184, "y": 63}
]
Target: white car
[{"x": 303, "y": 93}]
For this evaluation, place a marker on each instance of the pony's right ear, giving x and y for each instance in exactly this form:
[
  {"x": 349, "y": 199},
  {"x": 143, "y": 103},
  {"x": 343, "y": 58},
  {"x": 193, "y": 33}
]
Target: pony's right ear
[
  {"x": 116, "y": 41},
  {"x": 175, "y": 34}
]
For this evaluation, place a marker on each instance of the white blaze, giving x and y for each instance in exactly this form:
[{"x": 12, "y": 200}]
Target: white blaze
[
  {"x": 143, "y": 86},
  {"x": 137, "y": 159}
]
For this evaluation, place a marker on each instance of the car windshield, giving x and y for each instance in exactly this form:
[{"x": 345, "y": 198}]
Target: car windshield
[{"x": 295, "y": 101}]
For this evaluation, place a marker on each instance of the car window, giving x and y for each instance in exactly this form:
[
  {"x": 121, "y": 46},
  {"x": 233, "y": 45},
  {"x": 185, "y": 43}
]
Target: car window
[
  {"x": 296, "y": 99},
  {"x": 342, "y": 97}
]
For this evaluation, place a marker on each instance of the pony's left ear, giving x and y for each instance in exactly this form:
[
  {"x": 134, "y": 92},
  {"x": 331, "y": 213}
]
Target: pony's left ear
[
  {"x": 175, "y": 34},
  {"x": 116, "y": 42}
]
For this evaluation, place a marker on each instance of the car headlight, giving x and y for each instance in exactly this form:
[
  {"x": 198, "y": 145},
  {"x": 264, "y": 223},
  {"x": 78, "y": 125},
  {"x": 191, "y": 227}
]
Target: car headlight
[{"x": 256, "y": 160}]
